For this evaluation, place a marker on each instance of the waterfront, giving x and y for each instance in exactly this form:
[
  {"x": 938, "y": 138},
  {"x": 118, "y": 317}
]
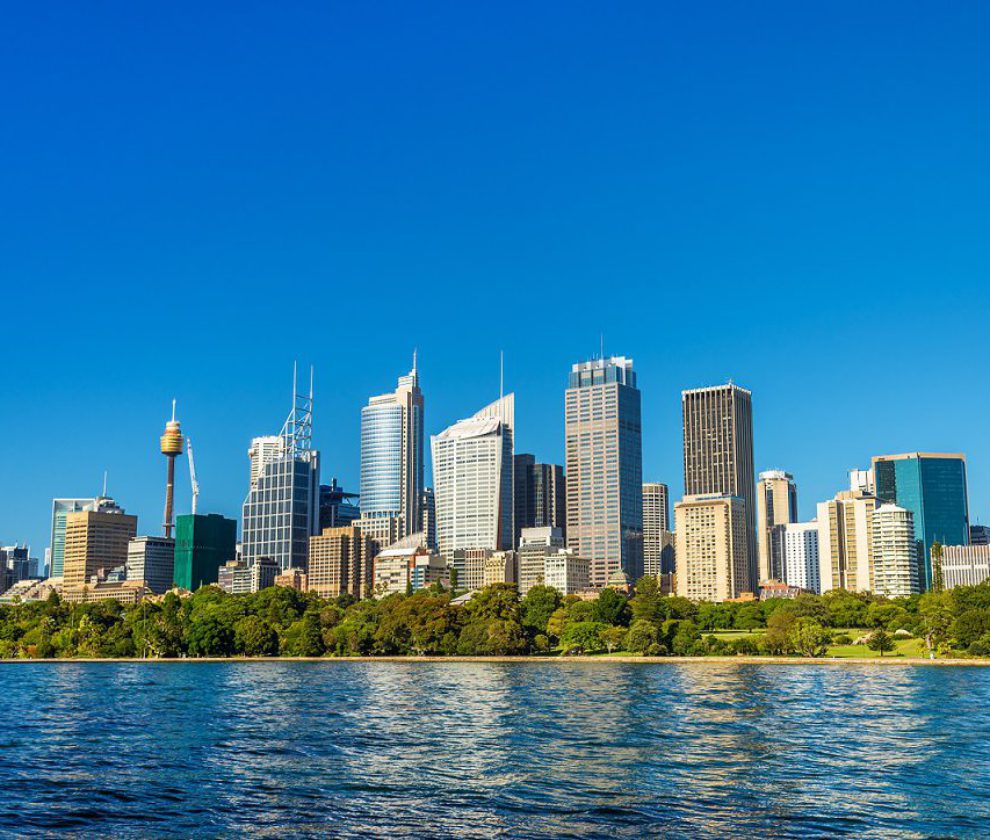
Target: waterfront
[{"x": 493, "y": 749}]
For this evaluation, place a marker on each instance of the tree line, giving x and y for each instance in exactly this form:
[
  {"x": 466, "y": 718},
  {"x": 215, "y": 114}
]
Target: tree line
[{"x": 279, "y": 621}]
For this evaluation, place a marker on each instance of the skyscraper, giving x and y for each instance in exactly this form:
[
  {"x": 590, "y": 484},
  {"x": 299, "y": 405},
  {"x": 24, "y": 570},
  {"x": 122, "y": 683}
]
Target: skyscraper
[
  {"x": 895, "y": 555},
  {"x": 932, "y": 485},
  {"x": 776, "y": 504},
  {"x": 61, "y": 508},
  {"x": 795, "y": 547},
  {"x": 392, "y": 457},
  {"x": 337, "y": 506},
  {"x": 656, "y": 523},
  {"x": 604, "y": 461},
  {"x": 718, "y": 452},
  {"x": 340, "y": 561},
  {"x": 541, "y": 496},
  {"x": 96, "y": 540},
  {"x": 152, "y": 560},
  {"x": 203, "y": 543},
  {"x": 473, "y": 480},
  {"x": 845, "y": 542},
  {"x": 281, "y": 510}
]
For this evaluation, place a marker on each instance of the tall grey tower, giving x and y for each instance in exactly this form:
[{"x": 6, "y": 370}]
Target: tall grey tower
[
  {"x": 718, "y": 453},
  {"x": 604, "y": 452}
]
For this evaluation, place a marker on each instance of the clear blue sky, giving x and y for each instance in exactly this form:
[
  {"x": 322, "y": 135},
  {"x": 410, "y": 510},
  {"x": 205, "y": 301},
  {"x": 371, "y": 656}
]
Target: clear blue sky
[{"x": 193, "y": 195}]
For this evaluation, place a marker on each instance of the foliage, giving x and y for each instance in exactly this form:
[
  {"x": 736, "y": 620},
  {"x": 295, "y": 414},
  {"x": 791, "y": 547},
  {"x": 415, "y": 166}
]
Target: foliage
[
  {"x": 809, "y": 638},
  {"x": 881, "y": 642}
]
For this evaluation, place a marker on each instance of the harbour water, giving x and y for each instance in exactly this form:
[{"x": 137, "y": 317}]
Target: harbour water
[{"x": 459, "y": 749}]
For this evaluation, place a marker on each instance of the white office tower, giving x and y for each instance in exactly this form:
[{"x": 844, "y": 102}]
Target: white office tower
[
  {"x": 473, "y": 480},
  {"x": 895, "y": 553},
  {"x": 535, "y": 545},
  {"x": 796, "y": 546}
]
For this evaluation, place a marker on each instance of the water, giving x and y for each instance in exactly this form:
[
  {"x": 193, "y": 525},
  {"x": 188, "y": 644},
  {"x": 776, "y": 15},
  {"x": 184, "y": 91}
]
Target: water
[{"x": 476, "y": 750}]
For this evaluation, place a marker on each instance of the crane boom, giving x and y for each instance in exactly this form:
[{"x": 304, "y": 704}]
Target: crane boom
[{"x": 192, "y": 475}]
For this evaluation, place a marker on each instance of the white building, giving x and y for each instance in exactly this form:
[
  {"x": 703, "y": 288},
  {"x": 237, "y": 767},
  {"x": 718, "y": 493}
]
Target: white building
[
  {"x": 965, "y": 565},
  {"x": 895, "y": 553},
  {"x": 566, "y": 572},
  {"x": 408, "y": 564},
  {"x": 535, "y": 545},
  {"x": 473, "y": 481},
  {"x": 845, "y": 542},
  {"x": 151, "y": 559},
  {"x": 796, "y": 546},
  {"x": 263, "y": 451}
]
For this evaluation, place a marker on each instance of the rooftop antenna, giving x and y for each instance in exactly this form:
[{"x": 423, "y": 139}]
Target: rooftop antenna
[
  {"x": 104, "y": 484},
  {"x": 601, "y": 337},
  {"x": 501, "y": 385},
  {"x": 173, "y": 409}
]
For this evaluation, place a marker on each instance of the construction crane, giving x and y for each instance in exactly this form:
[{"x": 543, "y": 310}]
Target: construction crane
[{"x": 192, "y": 474}]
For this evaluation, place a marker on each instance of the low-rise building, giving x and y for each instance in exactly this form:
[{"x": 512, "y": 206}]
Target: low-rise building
[
  {"x": 151, "y": 559},
  {"x": 965, "y": 565},
  {"x": 237, "y": 578},
  {"x": 535, "y": 545},
  {"x": 126, "y": 592},
  {"x": 566, "y": 572},
  {"x": 407, "y": 566},
  {"x": 292, "y": 579},
  {"x": 500, "y": 567}
]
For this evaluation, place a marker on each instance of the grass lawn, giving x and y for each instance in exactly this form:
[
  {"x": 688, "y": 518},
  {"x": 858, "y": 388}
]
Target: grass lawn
[{"x": 905, "y": 647}]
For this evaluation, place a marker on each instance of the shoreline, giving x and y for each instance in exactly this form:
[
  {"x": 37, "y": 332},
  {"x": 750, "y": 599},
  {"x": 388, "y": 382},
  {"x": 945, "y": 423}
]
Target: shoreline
[{"x": 563, "y": 660}]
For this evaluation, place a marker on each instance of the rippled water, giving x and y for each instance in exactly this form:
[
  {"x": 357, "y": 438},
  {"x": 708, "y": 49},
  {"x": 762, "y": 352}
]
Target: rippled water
[{"x": 468, "y": 749}]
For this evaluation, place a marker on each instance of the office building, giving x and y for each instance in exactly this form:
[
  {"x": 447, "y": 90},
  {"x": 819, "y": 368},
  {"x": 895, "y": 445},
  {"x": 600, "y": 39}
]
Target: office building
[
  {"x": 776, "y": 504},
  {"x": 392, "y": 457},
  {"x": 237, "y": 578},
  {"x": 126, "y": 592},
  {"x": 473, "y": 480},
  {"x": 712, "y": 547},
  {"x": 95, "y": 542},
  {"x": 61, "y": 508},
  {"x": 467, "y": 567},
  {"x": 383, "y": 531},
  {"x": 656, "y": 526},
  {"x": 203, "y": 543},
  {"x": 281, "y": 510},
  {"x": 604, "y": 463},
  {"x": 500, "y": 567},
  {"x": 151, "y": 560},
  {"x": 932, "y": 485},
  {"x": 535, "y": 545},
  {"x": 407, "y": 566},
  {"x": 861, "y": 481},
  {"x": 337, "y": 507},
  {"x": 428, "y": 518},
  {"x": 718, "y": 454},
  {"x": 895, "y": 554},
  {"x": 845, "y": 542},
  {"x": 541, "y": 495},
  {"x": 979, "y": 535},
  {"x": 566, "y": 572},
  {"x": 965, "y": 565},
  {"x": 292, "y": 579},
  {"x": 340, "y": 562},
  {"x": 796, "y": 557}
]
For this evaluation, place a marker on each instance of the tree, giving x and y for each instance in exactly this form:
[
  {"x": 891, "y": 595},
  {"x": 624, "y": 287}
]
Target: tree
[
  {"x": 647, "y": 604},
  {"x": 585, "y": 635},
  {"x": 612, "y": 637},
  {"x": 537, "y": 606},
  {"x": 304, "y": 637},
  {"x": 254, "y": 636},
  {"x": 935, "y": 611},
  {"x": 557, "y": 623},
  {"x": 938, "y": 578},
  {"x": 778, "y": 639},
  {"x": 611, "y": 607},
  {"x": 970, "y": 626},
  {"x": 809, "y": 638},
  {"x": 881, "y": 641},
  {"x": 642, "y": 634},
  {"x": 749, "y": 617}
]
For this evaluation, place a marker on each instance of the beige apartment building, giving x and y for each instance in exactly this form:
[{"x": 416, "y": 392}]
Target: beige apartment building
[
  {"x": 340, "y": 560},
  {"x": 95, "y": 541},
  {"x": 845, "y": 542},
  {"x": 712, "y": 547}
]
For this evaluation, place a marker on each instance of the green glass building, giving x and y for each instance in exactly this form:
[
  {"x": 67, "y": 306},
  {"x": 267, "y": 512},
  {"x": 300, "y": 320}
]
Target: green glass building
[
  {"x": 203, "y": 543},
  {"x": 932, "y": 485}
]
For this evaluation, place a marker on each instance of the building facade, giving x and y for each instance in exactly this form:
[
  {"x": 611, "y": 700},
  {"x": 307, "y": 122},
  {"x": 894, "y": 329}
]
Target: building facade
[
  {"x": 932, "y": 485},
  {"x": 656, "y": 526},
  {"x": 965, "y": 565},
  {"x": 776, "y": 504},
  {"x": 535, "y": 545},
  {"x": 796, "y": 551},
  {"x": 540, "y": 495},
  {"x": 718, "y": 454},
  {"x": 151, "y": 560},
  {"x": 566, "y": 572},
  {"x": 61, "y": 508},
  {"x": 473, "y": 481},
  {"x": 712, "y": 547},
  {"x": 293, "y": 579},
  {"x": 337, "y": 507},
  {"x": 895, "y": 554},
  {"x": 203, "y": 543},
  {"x": 604, "y": 461},
  {"x": 341, "y": 562},
  {"x": 95, "y": 542},
  {"x": 845, "y": 542},
  {"x": 407, "y": 566}
]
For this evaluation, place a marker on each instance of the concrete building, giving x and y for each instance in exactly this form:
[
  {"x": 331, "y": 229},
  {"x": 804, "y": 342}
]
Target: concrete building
[
  {"x": 203, "y": 543},
  {"x": 383, "y": 531},
  {"x": 540, "y": 495},
  {"x": 473, "y": 480},
  {"x": 292, "y": 579},
  {"x": 500, "y": 567},
  {"x": 237, "y": 578},
  {"x": 341, "y": 561},
  {"x": 535, "y": 545},
  {"x": 979, "y": 535},
  {"x": 932, "y": 485},
  {"x": 656, "y": 524},
  {"x": 409, "y": 565},
  {"x": 718, "y": 456},
  {"x": 795, "y": 550},
  {"x": 428, "y": 518},
  {"x": 965, "y": 565},
  {"x": 861, "y": 481},
  {"x": 895, "y": 555},
  {"x": 392, "y": 458},
  {"x": 712, "y": 547},
  {"x": 776, "y": 504},
  {"x": 566, "y": 572},
  {"x": 281, "y": 510},
  {"x": 845, "y": 542},
  {"x": 127, "y": 592},
  {"x": 61, "y": 508},
  {"x": 95, "y": 541},
  {"x": 151, "y": 560},
  {"x": 604, "y": 461},
  {"x": 467, "y": 567},
  {"x": 337, "y": 506}
]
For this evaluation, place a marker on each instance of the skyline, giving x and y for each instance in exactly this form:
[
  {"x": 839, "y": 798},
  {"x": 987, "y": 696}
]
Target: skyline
[{"x": 801, "y": 212}]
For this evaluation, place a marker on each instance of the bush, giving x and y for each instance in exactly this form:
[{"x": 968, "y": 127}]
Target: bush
[{"x": 842, "y": 639}]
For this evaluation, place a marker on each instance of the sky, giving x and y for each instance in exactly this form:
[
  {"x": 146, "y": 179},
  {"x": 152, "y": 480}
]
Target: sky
[{"x": 193, "y": 196}]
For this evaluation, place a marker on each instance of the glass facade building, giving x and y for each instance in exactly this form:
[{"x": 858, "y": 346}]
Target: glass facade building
[
  {"x": 203, "y": 543},
  {"x": 932, "y": 486},
  {"x": 61, "y": 508},
  {"x": 541, "y": 500}
]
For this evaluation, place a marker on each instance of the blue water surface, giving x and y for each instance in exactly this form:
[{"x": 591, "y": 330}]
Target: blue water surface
[{"x": 462, "y": 749}]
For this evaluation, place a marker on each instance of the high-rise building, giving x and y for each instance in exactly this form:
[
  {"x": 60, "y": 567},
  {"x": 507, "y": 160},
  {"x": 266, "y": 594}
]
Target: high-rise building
[
  {"x": 718, "y": 453},
  {"x": 16, "y": 565},
  {"x": 656, "y": 524},
  {"x": 845, "y": 542},
  {"x": 428, "y": 518},
  {"x": 604, "y": 462},
  {"x": 861, "y": 481},
  {"x": 541, "y": 495},
  {"x": 712, "y": 559},
  {"x": 965, "y": 565},
  {"x": 61, "y": 508},
  {"x": 932, "y": 485},
  {"x": 535, "y": 545},
  {"x": 281, "y": 510},
  {"x": 895, "y": 555},
  {"x": 795, "y": 548},
  {"x": 776, "y": 504},
  {"x": 96, "y": 541},
  {"x": 337, "y": 506},
  {"x": 473, "y": 480},
  {"x": 151, "y": 560},
  {"x": 263, "y": 451},
  {"x": 392, "y": 456},
  {"x": 340, "y": 561},
  {"x": 203, "y": 543}
]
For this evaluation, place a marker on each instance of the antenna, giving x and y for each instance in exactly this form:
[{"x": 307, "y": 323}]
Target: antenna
[
  {"x": 414, "y": 360},
  {"x": 104, "y": 484},
  {"x": 601, "y": 337},
  {"x": 173, "y": 409}
]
